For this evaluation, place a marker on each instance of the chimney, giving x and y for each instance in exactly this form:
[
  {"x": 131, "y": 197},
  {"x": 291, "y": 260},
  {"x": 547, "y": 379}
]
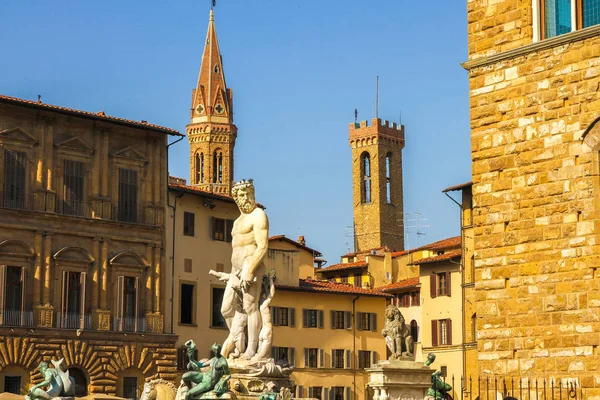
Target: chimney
[{"x": 301, "y": 240}]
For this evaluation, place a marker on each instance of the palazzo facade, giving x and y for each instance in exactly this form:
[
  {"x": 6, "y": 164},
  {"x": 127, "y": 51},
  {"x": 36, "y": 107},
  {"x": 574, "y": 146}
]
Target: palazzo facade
[{"x": 82, "y": 205}]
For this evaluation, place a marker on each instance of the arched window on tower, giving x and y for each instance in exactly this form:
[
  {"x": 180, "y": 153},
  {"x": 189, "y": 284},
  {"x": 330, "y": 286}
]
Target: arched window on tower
[
  {"x": 365, "y": 163},
  {"x": 474, "y": 327},
  {"x": 388, "y": 178},
  {"x": 414, "y": 330},
  {"x": 199, "y": 168},
  {"x": 218, "y": 166}
]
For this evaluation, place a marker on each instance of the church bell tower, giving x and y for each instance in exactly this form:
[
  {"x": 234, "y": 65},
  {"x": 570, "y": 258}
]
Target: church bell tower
[
  {"x": 211, "y": 132},
  {"x": 377, "y": 184}
]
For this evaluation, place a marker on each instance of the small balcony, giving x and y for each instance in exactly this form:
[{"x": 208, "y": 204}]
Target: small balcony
[
  {"x": 15, "y": 318},
  {"x": 73, "y": 321},
  {"x": 17, "y": 201},
  {"x": 130, "y": 324},
  {"x": 72, "y": 207}
]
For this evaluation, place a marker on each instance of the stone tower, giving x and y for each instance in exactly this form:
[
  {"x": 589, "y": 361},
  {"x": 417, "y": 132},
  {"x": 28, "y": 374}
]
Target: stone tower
[
  {"x": 377, "y": 184},
  {"x": 211, "y": 132}
]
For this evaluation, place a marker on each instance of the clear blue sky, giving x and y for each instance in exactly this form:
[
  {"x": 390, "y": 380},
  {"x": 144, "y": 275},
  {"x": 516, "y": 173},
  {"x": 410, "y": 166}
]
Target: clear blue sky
[{"x": 298, "y": 69}]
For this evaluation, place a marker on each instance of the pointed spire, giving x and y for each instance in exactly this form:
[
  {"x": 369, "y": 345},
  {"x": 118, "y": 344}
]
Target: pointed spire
[{"x": 211, "y": 99}]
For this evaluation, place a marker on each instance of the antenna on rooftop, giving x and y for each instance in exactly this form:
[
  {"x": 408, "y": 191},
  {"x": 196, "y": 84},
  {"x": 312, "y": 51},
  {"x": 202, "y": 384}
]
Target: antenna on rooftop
[
  {"x": 349, "y": 234},
  {"x": 377, "y": 97},
  {"x": 400, "y": 117},
  {"x": 355, "y": 115},
  {"x": 213, "y": 4}
]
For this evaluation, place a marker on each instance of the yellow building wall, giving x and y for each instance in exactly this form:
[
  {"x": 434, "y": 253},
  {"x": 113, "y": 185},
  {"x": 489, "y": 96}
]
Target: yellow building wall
[
  {"x": 205, "y": 254},
  {"x": 443, "y": 307},
  {"x": 328, "y": 338},
  {"x": 306, "y": 260}
]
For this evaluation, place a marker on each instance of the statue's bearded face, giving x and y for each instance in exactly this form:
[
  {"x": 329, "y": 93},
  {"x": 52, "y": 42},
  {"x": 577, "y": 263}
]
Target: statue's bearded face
[{"x": 244, "y": 198}]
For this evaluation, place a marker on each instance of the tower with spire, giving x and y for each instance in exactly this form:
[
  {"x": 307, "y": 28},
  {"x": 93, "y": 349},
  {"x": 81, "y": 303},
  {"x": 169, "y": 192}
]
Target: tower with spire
[{"x": 211, "y": 131}]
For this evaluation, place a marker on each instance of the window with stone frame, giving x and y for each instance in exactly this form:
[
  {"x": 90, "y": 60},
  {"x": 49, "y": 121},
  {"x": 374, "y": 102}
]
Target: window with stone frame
[
  {"x": 311, "y": 357},
  {"x": 366, "y": 321},
  {"x": 128, "y": 195},
  {"x": 12, "y": 384},
  {"x": 189, "y": 223},
  {"x": 217, "y": 320},
  {"x": 282, "y": 316},
  {"x": 339, "y": 319},
  {"x": 365, "y": 169},
  {"x": 440, "y": 284},
  {"x": 73, "y": 191},
  {"x": 283, "y": 354},
  {"x": 364, "y": 359},
  {"x": 558, "y": 17},
  {"x": 315, "y": 392},
  {"x": 441, "y": 332},
  {"x": 130, "y": 388},
  {"x": 337, "y": 358},
  {"x": 312, "y": 318},
  {"x": 186, "y": 303},
  {"x": 15, "y": 172},
  {"x": 221, "y": 229}
]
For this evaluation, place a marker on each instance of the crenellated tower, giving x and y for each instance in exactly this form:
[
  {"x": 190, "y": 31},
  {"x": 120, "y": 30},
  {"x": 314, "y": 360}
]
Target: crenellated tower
[
  {"x": 377, "y": 184},
  {"x": 211, "y": 132}
]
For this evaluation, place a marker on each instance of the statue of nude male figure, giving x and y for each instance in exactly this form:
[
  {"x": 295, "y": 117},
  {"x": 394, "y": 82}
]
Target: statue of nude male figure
[{"x": 250, "y": 240}]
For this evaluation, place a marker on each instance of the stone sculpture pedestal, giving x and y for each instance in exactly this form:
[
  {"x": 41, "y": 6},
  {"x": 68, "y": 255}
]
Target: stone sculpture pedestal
[
  {"x": 250, "y": 380},
  {"x": 399, "y": 380}
]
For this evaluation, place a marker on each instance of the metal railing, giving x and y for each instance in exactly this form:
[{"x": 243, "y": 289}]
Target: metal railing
[
  {"x": 514, "y": 388},
  {"x": 130, "y": 324},
  {"x": 16, "y": 318},
  {"x": 73, "y": 321},
  {"x": 75, "y": 208},
  {"x": 16, "y": 201}
]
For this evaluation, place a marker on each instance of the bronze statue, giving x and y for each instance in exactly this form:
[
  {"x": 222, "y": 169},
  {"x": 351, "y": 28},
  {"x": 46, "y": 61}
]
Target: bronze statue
[
  {"x": 196, "y": 382},
  {"x": 56, "y": 383},
  {"x": 397, "y": 334}
]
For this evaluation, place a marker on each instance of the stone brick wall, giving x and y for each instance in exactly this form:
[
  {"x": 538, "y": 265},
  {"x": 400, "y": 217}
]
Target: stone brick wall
[
  {"x": 495, "y": 26},
  {"x": 536, "y": 191}
]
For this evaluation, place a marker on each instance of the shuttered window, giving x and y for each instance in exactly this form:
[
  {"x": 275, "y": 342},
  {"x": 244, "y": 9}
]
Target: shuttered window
[
  {"x": 441, "y": 332},
  {"x": 364, "y": 359},
  {"x": 221, "y": 229},
  {"x": 337, "y": 358},
  {"x": 189, "y": 223},
  {"x": 128, "y": 192},
  {"x": 311, "y": 357},
  {"x": 73, "y": 188},
  {"x": 14, "y": 179}
]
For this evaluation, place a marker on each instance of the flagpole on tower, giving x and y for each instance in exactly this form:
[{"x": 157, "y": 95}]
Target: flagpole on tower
[{"x": 213, "y": 4}]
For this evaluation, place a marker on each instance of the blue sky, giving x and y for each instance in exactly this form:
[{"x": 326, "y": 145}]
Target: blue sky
[{"x": 298, "y": 69}]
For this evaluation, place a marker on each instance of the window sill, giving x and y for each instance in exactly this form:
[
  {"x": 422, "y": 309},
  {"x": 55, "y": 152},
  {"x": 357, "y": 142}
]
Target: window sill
[
  {"x": 186, "y": 324},
  {"x": 543, "y": 44}
]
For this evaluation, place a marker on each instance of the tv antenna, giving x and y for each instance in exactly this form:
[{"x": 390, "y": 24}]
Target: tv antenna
[{"x": 349, "y": 234}]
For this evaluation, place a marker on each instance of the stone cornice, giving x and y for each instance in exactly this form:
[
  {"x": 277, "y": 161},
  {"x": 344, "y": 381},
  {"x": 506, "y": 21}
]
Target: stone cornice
[{"x": 534, "y": 47}]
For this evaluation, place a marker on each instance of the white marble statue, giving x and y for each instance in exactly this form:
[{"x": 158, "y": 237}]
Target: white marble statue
[{"x": 250, "y": 240}]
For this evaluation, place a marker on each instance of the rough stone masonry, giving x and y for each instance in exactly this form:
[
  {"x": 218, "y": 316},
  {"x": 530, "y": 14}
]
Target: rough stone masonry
[{"x": 536, "y": 192}]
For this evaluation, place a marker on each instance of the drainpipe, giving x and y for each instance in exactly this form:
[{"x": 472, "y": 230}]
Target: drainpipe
[
  {"x": 354, "y": 343},
  {"x": 173, "y": 207},
  {"x": 462, "y": 286}
]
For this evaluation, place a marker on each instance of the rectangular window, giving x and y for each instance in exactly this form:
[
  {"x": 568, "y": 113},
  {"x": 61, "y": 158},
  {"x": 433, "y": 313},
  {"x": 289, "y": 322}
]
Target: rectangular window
[
  {"x": 73, "y": 188},
  {"x": 557, "y": 16},
  {"x": 186, "y": 304},
  {"x": 188, "y": 223},
  {"x": 358, "y": 280},
  {"x": 337, "y": 358},
  {"x": 73, "y": 297},
  {"x": 127, "y": 304},
  {"x": 337, "y": 393},
  {"x": 344, "y": 278},
  {"x": 443, "y": 284},
  {"x": 441, "y": 332},
  {"x": 130, "y": 388},
  {"x": 281, "y": 354},
  {"x": 282, "y": 316},
  {"x": 128, "y": 192},
  {"x": 311, "y": 358},
  {"x": 14, "y": 179},
  {"x": 367, "y": 321},
  {"x": 312, "y": 318},
  {"x": 182, "y": 358},
  {"x": 339, "y": 319},
  {"x": 13, "y": 291},
  {"x": 217, "y": 299},
  {"x": 415, "y": 299},
  {"x": 314, "y": 392},
  {"x": 364, "y": 359},
  {"x": 444, "y": 371},
  {"x": 12, "y": 384},
  {"x": 590, "y": 12},
  {"x": 222, "y": 229}
]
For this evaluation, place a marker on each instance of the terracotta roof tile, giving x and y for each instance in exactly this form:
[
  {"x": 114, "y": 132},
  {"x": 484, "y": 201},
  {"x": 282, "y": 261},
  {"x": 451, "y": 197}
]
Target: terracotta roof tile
[
  {"x": 86, "y": 114},
  {"x": 295, "y": 243},
  {"x": 197, "y": 191},
  {"x": 309, "y": 285},
  {"x": 458, "y": 187},
  {"x": 439, "y": 245},
  {"x": 441, "y": 257},
  {"x": 342, "y": 266},
  {"x": 403, "y": 284}
]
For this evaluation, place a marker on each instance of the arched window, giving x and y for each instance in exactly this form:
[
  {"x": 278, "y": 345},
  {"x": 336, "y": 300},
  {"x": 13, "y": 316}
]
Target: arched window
[
  {"x": 218, "y": 166},
  {"x": 474, "y": 327},
  {"x": 388, "y": 178},
  {"x": 199, "y": 167},
  {"x": 414, "y": 330},
  {"x": 365, "y": 162},
  {"x": 81, "y": 381}
]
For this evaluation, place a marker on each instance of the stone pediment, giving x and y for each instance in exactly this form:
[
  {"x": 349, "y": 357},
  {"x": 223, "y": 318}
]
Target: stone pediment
[
  {"x": 130, "y": 153},
  {"x": 17, "y": 135},
  {"x": 73, "y": 254},
  {"x": 16, "y": 248},
  {"x": 74, "y": 143},
  {"x": 129, "y": 259}
]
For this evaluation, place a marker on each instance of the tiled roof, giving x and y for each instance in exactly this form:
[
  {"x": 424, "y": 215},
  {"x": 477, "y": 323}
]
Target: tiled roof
[
  {"x": 368, "y": 251},
  {"x": 297, "y": 244},
  {"x": 86, "y": 114},
  {"x": 342, "y": 266},
  {"x": 309, "y": 285},
  {"x": 194, "y": 190},
  {"x": 439, "y": 245},
  {"x": 403, "y": 284},
  {"x": 441, "y": 257},
  {"x": 458, "y": 187}
]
